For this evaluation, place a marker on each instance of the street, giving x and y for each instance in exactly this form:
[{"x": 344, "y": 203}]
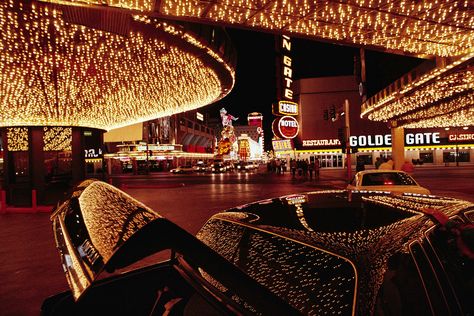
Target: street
[{"x": 30, "y": 268}]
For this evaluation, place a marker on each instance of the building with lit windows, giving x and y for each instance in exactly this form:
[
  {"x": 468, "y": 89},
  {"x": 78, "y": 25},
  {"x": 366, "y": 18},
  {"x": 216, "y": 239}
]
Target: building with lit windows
[{"x": 159, "y": 144}]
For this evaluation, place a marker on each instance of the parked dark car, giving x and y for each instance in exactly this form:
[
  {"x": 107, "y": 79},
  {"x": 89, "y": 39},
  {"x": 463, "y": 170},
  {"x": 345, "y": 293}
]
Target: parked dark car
[
  {"x": 328, "y": 252},
  {"x": 218, "y": 167}
]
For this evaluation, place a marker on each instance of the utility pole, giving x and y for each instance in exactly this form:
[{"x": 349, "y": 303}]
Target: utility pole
[{"x": 347, "y": 133}]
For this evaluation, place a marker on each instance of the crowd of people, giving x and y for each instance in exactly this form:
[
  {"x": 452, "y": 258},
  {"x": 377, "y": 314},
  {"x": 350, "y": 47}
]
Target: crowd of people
[
  {"x": 309, "y": 169},
  {"x": 299, "y": 168},
  {"x": 304, "y": 168}
]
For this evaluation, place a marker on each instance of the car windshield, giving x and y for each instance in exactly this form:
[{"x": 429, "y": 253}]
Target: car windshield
[{"x": 387, "y": 178}]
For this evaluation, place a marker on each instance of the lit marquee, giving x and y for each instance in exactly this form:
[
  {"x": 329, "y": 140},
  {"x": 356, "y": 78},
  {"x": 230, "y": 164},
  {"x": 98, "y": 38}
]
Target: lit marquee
[
  {"x": 441, "y": 98},
  {"x": 435, "y": 28},
  {"x": 53, "y": 73}
]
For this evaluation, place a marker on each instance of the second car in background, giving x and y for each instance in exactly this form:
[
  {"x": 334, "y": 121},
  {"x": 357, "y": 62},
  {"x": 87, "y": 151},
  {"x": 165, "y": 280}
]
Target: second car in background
[
  {"x": 394, "y": 181},
  {"x": 218, "y": 167},
  {"x": 183, "y": 169}
]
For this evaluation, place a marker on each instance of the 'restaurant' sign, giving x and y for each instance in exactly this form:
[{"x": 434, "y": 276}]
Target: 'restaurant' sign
[
  {"x": 321, "y": 142},
  {"x": 285, "y": 127}
]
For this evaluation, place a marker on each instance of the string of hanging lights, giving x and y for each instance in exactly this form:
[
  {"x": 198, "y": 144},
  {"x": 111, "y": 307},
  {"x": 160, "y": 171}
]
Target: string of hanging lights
[
  {"x": 441, "y": 98},
  {"x": 55, "y": 73},
  {"x": 422, "y": 28},
  {"x": 434, "y": 28}
]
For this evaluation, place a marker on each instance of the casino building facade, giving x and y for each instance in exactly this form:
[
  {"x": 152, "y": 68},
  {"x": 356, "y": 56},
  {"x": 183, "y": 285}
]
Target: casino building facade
[{"x": 322, "y": 122}]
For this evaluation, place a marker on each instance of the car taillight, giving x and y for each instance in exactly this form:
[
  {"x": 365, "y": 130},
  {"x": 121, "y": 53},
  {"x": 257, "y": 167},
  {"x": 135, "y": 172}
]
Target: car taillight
[{"x": 388, "y": 183}]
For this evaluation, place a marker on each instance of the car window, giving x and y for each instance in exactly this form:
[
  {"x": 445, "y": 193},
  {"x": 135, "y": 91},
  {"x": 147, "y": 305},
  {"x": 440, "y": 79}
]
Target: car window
[
  {"x": 388, "y": 178},
  {"x": 402, "y": 291},
  {"x": 311, "y": 280},
  {"x": 458, "y": 267}
]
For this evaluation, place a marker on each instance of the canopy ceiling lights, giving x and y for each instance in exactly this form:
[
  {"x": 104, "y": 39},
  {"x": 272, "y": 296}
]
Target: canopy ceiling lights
[
  {"x": 55, "y": 73},
  {"x": 443, "y": 97},
  {"x": 423, "y": 28}
]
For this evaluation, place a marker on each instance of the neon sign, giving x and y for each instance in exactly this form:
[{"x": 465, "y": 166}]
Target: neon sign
[
  {"x": 321, "y": 142},
  {"x": 285, "y": 127},
  {"x": 285, "y": 108},
  {"x": 460, "y": 137},
  {"x": 282, "y": 145},
  {"x": 287, "y": 68},
  {"x": 386, "y": 140}
]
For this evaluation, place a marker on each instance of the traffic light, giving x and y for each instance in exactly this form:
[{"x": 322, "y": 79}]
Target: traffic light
[
  {"x": 332, "y": 112},
  {"x": 326, "y": 115}
]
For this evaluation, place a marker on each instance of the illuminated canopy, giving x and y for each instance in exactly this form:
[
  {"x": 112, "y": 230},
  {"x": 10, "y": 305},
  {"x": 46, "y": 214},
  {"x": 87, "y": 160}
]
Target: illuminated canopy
[
  {"x": 439, "y": 97},
  {"x": 425, "y": 29},
  {"x": 429, "y": 28},
  {"x": 123, "y": 70}
]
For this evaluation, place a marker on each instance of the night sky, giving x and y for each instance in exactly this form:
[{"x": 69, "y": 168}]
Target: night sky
[{"x": 255, "y": 86}]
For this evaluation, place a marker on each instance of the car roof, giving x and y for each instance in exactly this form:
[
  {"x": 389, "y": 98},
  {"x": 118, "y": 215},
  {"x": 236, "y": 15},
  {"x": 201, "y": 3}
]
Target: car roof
[
  {"x": 380, "y": 171},
  {"x": 318, "y": 217},
  {"x": 330, "y": 225}
]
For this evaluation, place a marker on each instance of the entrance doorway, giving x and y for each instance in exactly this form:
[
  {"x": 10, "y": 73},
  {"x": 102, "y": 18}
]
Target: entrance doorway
[{"x": 330, "y": 160}]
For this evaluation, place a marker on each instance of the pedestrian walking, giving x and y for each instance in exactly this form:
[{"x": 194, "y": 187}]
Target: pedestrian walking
[
  {"x": 316, "y": 168},
  {"x": 378, "y": 162},
  {"x": 310, "y": 170},
  {"x": 293, "y": 168},
  {"x": 408, "y": 167},
  {"x": 360, "y": 166}
]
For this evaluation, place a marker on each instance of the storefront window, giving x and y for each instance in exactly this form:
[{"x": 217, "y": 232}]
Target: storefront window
[
  {"x": 426, "y": 157},
  {"x": 58, "y": 155},
  {"x": 20, "y": 165},
  {"x": 58, "y": 166},
  {"x": 463, "y": 156},
  {"x": 330, "y": 161},
  {"x": 449, "y": 156},
  {"x": 367, "y": 159}
]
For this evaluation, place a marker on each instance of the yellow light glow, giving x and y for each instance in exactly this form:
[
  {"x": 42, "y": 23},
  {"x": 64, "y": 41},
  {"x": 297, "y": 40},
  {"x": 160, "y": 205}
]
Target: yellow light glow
[
  {"x": 53, "y": 73},
  {"x": 434, "y": 28},
  {"x": 17, "y": 139},
  {"x": 57, "y": 139},
  {"x": 441, "y": 98}
]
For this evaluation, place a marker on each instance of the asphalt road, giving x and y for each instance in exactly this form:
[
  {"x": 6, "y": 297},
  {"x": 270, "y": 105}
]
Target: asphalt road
[{"x": 29, "y": 264}]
